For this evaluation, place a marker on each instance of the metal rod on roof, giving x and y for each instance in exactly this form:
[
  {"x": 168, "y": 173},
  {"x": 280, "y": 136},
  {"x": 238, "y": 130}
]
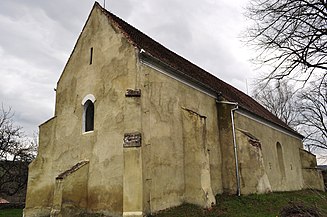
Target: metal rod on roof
[
  {"x": 247, "y": 88},
  {"x": 104, "y": 4}
]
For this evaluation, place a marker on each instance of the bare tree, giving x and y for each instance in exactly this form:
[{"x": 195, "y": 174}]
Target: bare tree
[
  {"x": 313, "y": 114},
  {"x": 304, "y": 110},
  {"x": 279, "y": 99},
  {"x": 291, "y": 36},
  {"x": 16, "y": 152}
]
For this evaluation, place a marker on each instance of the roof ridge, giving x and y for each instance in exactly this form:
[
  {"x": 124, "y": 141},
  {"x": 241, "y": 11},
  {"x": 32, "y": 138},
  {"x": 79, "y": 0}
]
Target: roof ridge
[
  {"x": 112, "y": 15},
  {"x": 179, "y": 63}
]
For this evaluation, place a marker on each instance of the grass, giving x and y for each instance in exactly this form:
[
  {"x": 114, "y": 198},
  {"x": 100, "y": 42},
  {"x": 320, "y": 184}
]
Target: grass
[
  {"x": 264, "y": 205},
  {"x": 11, "y": 212},
  {"x": 253, "y": 205}
]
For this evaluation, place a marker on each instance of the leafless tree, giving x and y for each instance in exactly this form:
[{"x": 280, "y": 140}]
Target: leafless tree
[
  {"x": 290, "y": 36},
  {"x": 279, "y": 98},
  {"x": 304, "y": 110},
  {"x": 16, "y": 152},
  {"x": 313, "y": 114}
]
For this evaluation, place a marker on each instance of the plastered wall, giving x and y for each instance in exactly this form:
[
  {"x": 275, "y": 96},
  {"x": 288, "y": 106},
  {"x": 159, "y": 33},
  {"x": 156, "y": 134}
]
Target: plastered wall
[
  {"x": 40, "y": 187},
  {"x": 186, "y": 150},
  {"x": 253, "y": 175},
  {"x": 312, "y": 177},
  {"x": 62, "y": 142},
  {"x": 289, "y": 179},
  {"x": 180, "y": 143}
]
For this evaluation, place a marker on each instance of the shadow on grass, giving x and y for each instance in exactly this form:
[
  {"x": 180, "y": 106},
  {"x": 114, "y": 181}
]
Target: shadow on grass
[{"x": 298, "y": 203}]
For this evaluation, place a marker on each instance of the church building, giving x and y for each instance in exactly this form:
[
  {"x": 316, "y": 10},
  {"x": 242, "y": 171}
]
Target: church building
[{"x": 138, "y": 129}]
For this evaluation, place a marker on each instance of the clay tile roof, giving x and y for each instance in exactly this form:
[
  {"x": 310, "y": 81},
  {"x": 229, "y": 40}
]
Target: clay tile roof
[
  {"x": 3, "y": 201},
  {"x": 156, "y": 50}
]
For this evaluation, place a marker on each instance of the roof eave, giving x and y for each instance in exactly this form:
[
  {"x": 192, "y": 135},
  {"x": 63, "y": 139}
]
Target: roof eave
[
  {"x": 259, "y": 118},
  {"x": 147, "y": 58}
]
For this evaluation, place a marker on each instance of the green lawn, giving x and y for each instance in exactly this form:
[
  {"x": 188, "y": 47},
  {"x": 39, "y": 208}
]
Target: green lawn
[
  {"x": 264, "y": 205},
  {"x": 268, "y": 205},
  {"x": 11, "y": 212}
]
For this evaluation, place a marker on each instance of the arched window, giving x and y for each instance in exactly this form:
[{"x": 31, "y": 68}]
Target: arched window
[
  {"x": 88, "y": 113},
  {"x": 280, "y": 159}
]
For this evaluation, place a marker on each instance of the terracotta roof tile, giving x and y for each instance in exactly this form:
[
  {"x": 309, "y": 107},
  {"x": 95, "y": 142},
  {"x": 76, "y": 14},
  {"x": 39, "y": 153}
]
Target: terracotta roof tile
[
  {"x": 142, "y": 41},
  {"x": 3, "y": 201}
]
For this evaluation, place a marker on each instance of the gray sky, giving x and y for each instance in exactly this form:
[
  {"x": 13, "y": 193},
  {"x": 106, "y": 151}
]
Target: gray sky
[{"x": 38, "y": 36}]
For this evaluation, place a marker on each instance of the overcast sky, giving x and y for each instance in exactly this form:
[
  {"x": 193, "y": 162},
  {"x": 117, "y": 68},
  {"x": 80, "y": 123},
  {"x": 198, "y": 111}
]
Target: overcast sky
[{"x": 38, "y": 36}]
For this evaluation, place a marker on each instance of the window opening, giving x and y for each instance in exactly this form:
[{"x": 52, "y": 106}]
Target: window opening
[
  {"x": 280, "y": 159},
  {"x": 89, "y": 115},
  {"x": 91, "y": 55}
]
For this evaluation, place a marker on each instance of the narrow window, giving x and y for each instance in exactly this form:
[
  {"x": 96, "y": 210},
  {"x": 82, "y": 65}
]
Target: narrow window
[
  {"x": 88, "y": 116},
  {"x": 91, "y": 55},
  {"x": 280, "y": 159}
]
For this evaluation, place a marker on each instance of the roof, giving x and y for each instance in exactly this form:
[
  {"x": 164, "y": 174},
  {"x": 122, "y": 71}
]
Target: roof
[
  {"x": 322, "y": 167},
  {"x": 3, "y": 201},
  {"x": 158, "y": 51}
]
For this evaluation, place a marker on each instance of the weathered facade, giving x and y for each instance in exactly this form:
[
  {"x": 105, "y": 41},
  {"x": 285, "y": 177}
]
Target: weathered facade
[{"x": 138, "y": 129}]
